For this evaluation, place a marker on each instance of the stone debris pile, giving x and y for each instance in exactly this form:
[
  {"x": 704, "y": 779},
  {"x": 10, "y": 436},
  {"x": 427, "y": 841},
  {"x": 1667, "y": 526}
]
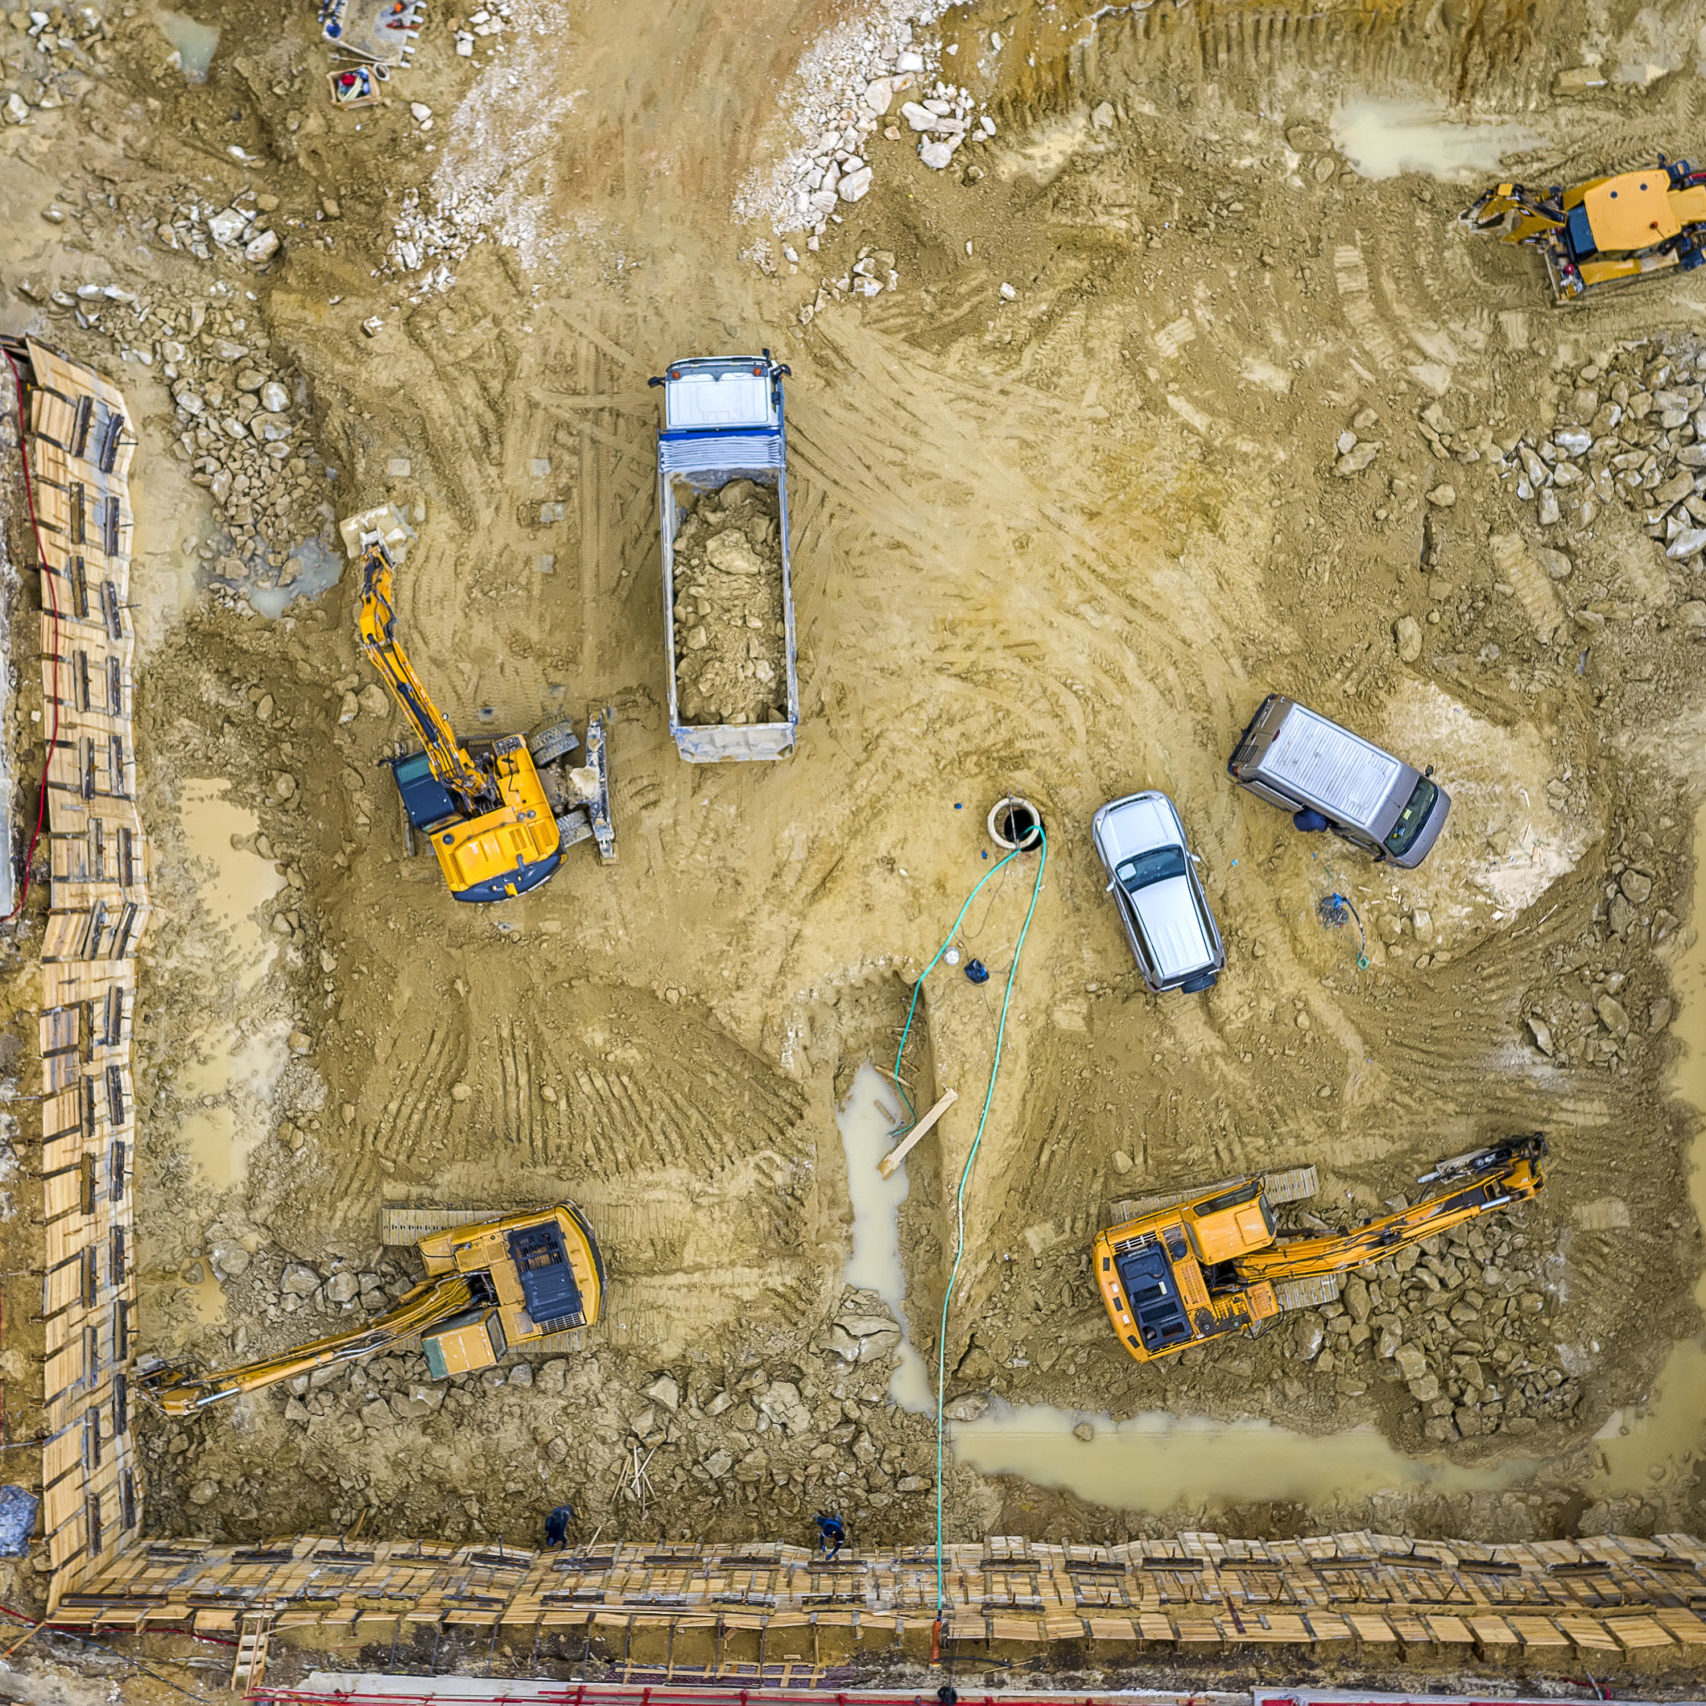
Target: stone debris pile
[
  {"x": 483, "y": 24},
  {"x": 848, "y": 84},
  {"x": 730, "y": 633},
  {"x": 1632, "y": 432},
  {"x": 50, "y": 59},
  {"x": 239, "y": 420},
  {"x": 795, "y": 1432},
  {"x": 1461, "y": 1321},
  {"x": 242, "y": 229}
]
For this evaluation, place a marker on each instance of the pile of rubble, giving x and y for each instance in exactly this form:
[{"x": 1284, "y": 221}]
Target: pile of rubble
[
  {"x": 847, "y": 86},
  {"x": 484, "y": 23},
  {"x": 732, "y": 657},
  {"x": 1461, "y": 1320},
  {"x": 1632, "y": 432},
  {"x": 51, "y": 59},
  {"x": 240, "y": 417},
  {"x": 803, "y": 1430}
]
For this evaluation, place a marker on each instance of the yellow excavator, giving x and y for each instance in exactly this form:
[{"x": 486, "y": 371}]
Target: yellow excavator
[
  {"x": 1199, "y": 1266},
  {"x": 489, "y": 1286},
  {"x": 1605, "y": 230},
  {"x": 498, "y": 813}
]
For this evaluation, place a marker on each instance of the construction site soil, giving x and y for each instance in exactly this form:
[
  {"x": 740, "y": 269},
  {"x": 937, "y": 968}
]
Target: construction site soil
[{"x": 1177, "y": 386}]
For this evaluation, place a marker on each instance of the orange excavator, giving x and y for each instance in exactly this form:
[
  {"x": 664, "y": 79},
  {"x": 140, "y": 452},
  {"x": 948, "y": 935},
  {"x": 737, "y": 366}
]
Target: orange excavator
[
  {"x": 512, "y": 1280},
  {"x": 1196, "y": 1267},
  {"x": 1604, "y": 230}
]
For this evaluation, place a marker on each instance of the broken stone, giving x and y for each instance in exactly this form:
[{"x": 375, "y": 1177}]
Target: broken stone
[
  {"x": 664, "y": 1391},
  {"x": 1407, "y": 633}
]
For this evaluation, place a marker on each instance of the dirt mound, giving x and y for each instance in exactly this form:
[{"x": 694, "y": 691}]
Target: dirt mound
[{"x": 731, "y": 635}]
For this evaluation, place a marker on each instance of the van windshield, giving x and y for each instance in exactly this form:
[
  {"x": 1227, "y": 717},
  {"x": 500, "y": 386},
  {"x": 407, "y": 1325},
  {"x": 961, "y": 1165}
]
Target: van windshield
[
  {"x": 1149, "y": 868},
  {"x": 1401, "y": 837}
]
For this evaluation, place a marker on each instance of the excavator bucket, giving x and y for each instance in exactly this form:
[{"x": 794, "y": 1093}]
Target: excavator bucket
[{"x": 584, "y": 812}]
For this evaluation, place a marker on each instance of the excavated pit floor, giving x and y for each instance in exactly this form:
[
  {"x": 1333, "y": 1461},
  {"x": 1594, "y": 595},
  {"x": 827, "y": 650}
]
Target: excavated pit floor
[{"x": 1058, "y": 541}]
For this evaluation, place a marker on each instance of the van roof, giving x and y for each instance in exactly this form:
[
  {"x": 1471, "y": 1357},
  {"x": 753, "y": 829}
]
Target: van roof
[{"x": 1331, "y": 765}]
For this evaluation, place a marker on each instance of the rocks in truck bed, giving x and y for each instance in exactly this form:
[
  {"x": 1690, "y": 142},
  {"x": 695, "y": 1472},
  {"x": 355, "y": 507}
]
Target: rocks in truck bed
[{"x": 731, "y": 661}]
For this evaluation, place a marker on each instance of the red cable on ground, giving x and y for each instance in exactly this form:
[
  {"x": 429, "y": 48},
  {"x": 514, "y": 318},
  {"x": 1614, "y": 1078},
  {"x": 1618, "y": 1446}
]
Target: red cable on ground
[{"x": 53, "y": 602}]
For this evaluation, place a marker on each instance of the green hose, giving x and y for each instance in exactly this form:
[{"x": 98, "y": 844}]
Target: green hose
[{"x": 983, "y": 1120}]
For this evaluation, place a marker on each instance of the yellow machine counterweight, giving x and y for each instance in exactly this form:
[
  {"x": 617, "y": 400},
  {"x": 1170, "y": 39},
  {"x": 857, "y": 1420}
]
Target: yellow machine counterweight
[
  {"x": 1212, "y": 1263},
  {"x": 489, "y": 1287}
]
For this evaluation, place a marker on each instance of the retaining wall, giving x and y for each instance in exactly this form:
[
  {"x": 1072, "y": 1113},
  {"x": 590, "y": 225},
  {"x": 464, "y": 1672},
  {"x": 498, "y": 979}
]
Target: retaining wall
[{"x": 80, "y": 444}]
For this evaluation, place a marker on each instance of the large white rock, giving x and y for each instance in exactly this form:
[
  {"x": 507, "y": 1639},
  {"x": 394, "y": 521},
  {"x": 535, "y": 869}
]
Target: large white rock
[
  {"x": 262, "y": 247},
  {"x": 920, "y": 118},
  {"x": 855, "y": 184},
  {"x": 227, "y": 225},
  {"x": 274, "y": 398},
  {"x": 936, "y": 155},
  {"x": 879, "y": 95}
]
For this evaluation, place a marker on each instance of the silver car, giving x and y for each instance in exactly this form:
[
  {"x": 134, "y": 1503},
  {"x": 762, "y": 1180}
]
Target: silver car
[{"x": 1152, "y": 875}]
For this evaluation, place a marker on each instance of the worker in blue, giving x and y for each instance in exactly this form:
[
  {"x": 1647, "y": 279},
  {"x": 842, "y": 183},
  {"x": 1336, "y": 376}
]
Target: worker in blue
[
  {"x": 557, "y": 1527},
  {"x": 831, "y": 1533}
]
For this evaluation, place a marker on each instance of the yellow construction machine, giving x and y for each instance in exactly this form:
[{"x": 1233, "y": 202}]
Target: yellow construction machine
[
  {"x": 489, "y": 1286},
  {"x": 499, "y": 813},
  {"x": 1604, "y": 230},
  {"x": 1181, "y": 1271}
]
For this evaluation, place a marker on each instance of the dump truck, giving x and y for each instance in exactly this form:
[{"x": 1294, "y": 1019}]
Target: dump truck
[
  {"x": 1605, "y": 230},
  {"x": 490, "y": 1286},
  {"x": 1203, "y": 1264},
  {"x": 728, "y": 604},
  {"x": 498, "y": 813}
]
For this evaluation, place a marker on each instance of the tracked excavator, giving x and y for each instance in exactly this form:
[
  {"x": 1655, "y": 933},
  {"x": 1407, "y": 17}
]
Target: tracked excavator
[
  {"x": 489, "y": 1286},
  {"x": 499, "y": 813},
  {"x": 1180, "y": 1271},
  {"x": 1605, "y": 230}
]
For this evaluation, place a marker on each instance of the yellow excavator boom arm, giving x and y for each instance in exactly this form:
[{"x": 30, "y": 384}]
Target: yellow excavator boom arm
[
  {"x": 451, "y": 763},
  {"x": 1515, "y": 1177},
  {"x": 180, "y": 1392}
]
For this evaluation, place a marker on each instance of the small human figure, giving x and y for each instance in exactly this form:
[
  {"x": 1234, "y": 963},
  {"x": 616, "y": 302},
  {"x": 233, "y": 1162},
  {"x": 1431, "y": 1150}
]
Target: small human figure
[
  {"x": 1310, "y": 821},
  {"x": 831, "y": 1533},
  {"x": 557, "y": 1527},
  {"x": 977, "y": 971}
]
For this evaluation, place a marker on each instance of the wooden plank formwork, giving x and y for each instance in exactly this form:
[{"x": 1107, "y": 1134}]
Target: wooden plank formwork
[{"x": 79, "y": 446}]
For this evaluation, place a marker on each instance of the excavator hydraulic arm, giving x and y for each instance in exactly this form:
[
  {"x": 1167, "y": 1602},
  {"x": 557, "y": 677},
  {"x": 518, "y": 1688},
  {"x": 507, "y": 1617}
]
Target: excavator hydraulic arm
[
  {"x": 1212, "y": 1262},
  {"x": 454, "y": 768},
  {"x": 181, "y": 1392},
  {"x": 1482, "y": 1181}
]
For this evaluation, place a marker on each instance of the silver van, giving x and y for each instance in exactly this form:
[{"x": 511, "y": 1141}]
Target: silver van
[
  {"x": 1152, "y": 875},
  {"x": 1328, "y": 778}
]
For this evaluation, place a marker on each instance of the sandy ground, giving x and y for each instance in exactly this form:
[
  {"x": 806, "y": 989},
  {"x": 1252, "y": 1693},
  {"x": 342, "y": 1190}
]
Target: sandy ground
[{"x": 1064, "y": 508}]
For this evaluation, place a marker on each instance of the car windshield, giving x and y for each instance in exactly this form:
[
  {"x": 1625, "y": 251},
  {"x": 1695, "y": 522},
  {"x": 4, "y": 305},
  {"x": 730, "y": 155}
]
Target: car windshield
[
  {"x": 1149, "y": 868},
  {"x": 1401, "y": 837}
]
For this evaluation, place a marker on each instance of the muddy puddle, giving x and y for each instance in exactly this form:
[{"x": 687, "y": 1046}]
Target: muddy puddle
[
  {"x": 867, "y": 1121},
  {"x": 1654, "y": 1446},
  {"x": 1383, "y": 138},
  {"x": 1155, "y": 1461}
]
